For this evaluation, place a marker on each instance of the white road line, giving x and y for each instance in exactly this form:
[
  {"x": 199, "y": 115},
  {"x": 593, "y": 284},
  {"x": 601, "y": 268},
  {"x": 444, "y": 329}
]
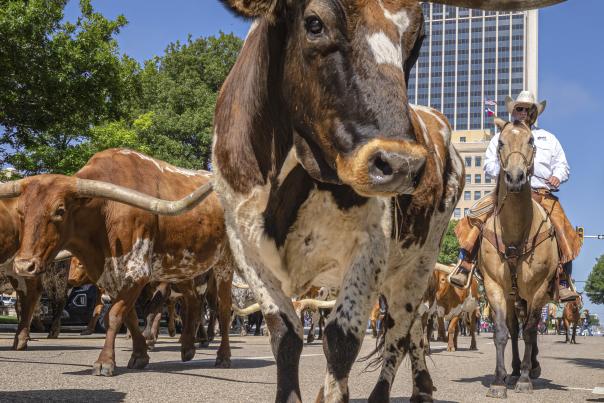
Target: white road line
[{"x": 599, "y": 390}]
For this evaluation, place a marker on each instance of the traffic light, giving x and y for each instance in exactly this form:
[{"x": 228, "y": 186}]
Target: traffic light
[{"x": 581, "y": 232}]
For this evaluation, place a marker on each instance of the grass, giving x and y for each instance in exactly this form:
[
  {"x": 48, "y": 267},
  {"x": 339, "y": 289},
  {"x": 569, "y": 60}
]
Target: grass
[{"x": 8, "y": 320}]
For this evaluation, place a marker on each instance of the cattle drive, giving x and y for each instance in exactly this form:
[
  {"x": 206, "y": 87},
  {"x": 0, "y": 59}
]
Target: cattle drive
[{"x": 326, "y": 204}]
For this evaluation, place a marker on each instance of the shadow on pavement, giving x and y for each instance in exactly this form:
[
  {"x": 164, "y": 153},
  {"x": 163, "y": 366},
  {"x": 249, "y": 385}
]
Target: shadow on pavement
[
  {"x": 583, "y": 362},
  {"x": 41, "y": 347},
  {"x": 400, "y": 400},
  {"x": 178, "y": 368},
  {"x": 64, "y": 395},
  {"x": 19, "y": 361},
  {"x": 486, "y": 380}
]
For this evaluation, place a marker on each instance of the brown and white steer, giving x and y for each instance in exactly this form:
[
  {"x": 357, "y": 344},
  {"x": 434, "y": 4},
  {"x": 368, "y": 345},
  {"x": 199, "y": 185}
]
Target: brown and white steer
[
  {"x": 329, "y": 177},
  {"x": 121, "y": 247},
  {"x": 451, "y": 305}
]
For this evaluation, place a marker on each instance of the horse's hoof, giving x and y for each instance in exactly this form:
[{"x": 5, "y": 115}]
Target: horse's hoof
[
  {"x": 103, "y": 368},
  {"x": 222, "y": 362},
  {"x": 86, "y": 332},
  {"x": 498, "y": 392},
  {"x": 421, "y": 398},
  {"x": 535, "y": 372},
  {"x": 511, "y": 379},
  {"x": 187, "y": 354},
  {"x": 138, "y": 362},
  {"x": 524, "y": 387}
]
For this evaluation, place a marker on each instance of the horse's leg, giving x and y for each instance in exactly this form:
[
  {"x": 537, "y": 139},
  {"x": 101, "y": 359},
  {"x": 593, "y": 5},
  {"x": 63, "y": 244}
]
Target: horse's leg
[
  {"x": 567, "y": 328},
  {"x": 441, "y": 329},
  {"x": 573, "y": 341},
  {"x": 529, "y": 334},
  {"x": 512, "y": 322},
  {"x": 498, "y": 388},
  {"x": 536, "y": 367}
]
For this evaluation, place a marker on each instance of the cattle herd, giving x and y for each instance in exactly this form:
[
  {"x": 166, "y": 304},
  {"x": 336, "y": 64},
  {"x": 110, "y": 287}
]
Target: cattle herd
[{"x": 326, "y": 185}]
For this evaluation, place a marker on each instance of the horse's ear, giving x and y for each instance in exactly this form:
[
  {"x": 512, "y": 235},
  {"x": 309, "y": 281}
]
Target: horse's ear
[
  {"x": 500, "y": 123},
  {"x": 254, "y": 8}
]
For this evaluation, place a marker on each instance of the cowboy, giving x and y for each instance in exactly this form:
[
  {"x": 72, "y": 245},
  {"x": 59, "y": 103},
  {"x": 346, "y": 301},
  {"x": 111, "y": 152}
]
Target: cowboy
[{"x": 550, "y": 170}]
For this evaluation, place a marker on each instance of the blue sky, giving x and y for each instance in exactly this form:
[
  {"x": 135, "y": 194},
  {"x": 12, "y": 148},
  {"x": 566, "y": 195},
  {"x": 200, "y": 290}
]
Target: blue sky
[{"x": 570, "y": 79}]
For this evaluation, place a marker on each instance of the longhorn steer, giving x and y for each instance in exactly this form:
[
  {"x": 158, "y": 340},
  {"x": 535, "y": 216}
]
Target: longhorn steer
[
  {"x": 313, "y": 133},
  {"x": 122, "y": 247}
]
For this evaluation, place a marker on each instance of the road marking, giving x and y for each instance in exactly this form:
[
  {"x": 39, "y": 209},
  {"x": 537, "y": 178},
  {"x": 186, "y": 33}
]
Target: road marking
[
  {"x": 598, "y": 390},
  {"x": 571, "y": 388}
]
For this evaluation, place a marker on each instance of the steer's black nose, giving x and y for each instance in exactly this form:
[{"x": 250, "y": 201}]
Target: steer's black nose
[{"x": 394, "y": 172}]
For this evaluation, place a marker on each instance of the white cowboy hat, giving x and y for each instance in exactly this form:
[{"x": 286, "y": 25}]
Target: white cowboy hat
[{"x": 525, "y": 98}]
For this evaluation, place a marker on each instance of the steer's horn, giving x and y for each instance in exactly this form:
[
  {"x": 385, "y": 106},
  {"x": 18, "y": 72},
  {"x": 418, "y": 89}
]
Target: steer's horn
[
  {"x": 246, "y": 311},
  {"x": 93, "y": 188},
  {"x": 10, "y": 189},
  {"x": 443, "y": 268},
  {"x": 500, "y": 5},
  {"x": 314, "y": 304},
  {"x": 64, "y": 254},
  {"x": 241, "y": 285}
]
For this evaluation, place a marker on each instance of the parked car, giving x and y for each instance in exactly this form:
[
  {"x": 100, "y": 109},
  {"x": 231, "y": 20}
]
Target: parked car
[
  {"x": 78, "y": 309},
  {"x": 7, "y": 300}
]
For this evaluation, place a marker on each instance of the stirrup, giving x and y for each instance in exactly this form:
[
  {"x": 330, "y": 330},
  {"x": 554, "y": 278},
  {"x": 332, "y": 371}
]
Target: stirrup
[{"x": 458, "y": 270}]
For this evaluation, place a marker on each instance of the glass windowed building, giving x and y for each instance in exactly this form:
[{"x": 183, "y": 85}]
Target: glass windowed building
[{"x": 471, "y": 60}]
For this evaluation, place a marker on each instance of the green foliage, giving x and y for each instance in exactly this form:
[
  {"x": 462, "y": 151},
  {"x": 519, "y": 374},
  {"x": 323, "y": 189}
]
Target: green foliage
[
  {"x": 449, "y": 247},
  {"x": 56, "y": 79},
  {"x": 65, "y": 93},
  {"x": 180, "y": 90},
  {"x": 594, "y": 287}
]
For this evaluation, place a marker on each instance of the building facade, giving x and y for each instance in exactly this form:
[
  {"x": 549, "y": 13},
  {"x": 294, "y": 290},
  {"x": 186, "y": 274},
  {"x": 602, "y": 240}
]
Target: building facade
[{"x": 469, "y": 62}]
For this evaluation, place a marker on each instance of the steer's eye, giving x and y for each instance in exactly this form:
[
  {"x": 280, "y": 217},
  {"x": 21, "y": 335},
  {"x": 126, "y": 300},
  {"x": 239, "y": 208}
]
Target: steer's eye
[
  {"x": 59, "y": 213},
  {"x": 313, "y": 25}
]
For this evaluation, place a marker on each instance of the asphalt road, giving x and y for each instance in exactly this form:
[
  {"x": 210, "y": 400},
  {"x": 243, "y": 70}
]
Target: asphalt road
[{"x": 59, "y": 370}]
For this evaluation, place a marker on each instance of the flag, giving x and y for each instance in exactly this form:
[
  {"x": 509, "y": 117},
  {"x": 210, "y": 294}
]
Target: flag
[
  {"x": 489, "y": 112},
  {"x": 490, "y": 102}
]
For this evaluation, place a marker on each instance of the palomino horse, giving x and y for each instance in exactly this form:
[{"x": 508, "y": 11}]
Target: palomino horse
[
  {"x": 518, "y": 258},
  {"x": 572, "y": 316}
]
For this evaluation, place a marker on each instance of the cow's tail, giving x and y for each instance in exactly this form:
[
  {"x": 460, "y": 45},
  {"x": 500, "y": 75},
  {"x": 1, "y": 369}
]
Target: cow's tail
[{"x": 375, "y": 358}]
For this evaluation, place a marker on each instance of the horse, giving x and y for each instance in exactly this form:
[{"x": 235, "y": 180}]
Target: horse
[
  {"x": 518, "y": 257},
  {"x": 572, "y": 317}
]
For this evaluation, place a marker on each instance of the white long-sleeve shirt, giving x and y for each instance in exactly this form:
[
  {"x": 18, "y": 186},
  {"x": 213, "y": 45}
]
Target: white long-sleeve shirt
[{"x": 550, "y": 159}]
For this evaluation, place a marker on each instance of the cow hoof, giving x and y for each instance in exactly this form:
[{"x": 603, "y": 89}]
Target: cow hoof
[
  {"x": 20, "y": 345},
  {"x": 450, "y": 349},
  {"x": 138, "y": 362},
  {"x": 171, "y": 332},
  {"x": 524, "y": 387},
  {"x": 498, "y": 392},
  {"x": 535, "y": 372},
  {"x": 86, "y": 332},
  {"x": 103, "y": 368},
  {"x": 53, "y": 335},
  {"x": 473, "y": 348},
  {"x": 204, "y": 344},
  {"x": 187, "y": 354},
  {"x": 222, "y": 362},
  {"x": 310, "y": 339}
]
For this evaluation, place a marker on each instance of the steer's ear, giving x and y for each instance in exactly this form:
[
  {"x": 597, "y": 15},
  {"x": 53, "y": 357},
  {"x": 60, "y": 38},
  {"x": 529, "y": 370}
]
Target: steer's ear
[{"x": 253, "y": 8}]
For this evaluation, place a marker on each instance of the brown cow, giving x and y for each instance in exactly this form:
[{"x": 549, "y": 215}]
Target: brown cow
[{"x": 121, "y": 247}]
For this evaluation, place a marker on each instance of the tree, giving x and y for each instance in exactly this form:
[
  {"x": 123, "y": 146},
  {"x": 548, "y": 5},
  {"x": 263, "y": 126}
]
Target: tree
[
  {"x": 594, "y": 287},
  {"x": 179, "y": 90},
  {"x": 57, "y": 79},
  {"x": 449, "y": 247}
]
